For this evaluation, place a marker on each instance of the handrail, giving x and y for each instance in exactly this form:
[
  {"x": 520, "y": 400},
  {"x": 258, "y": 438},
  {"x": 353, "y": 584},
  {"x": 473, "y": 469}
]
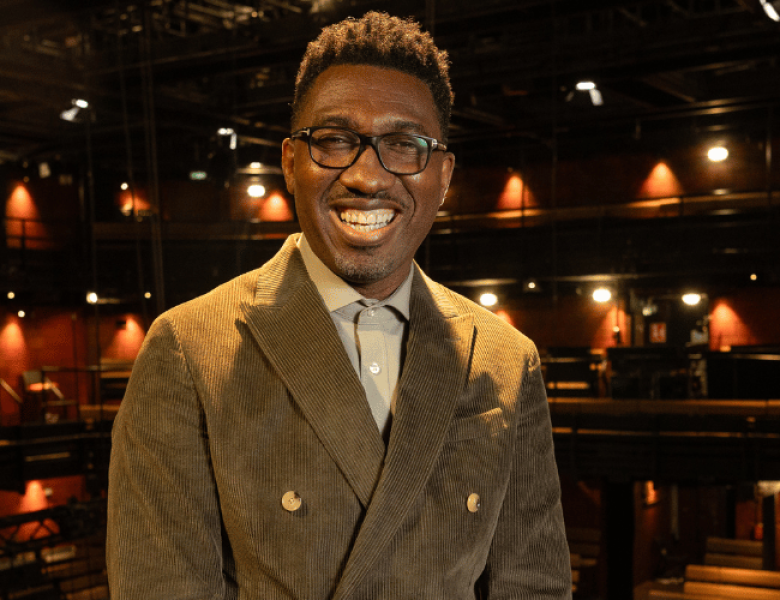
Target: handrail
[{"x": 4, "y": 384}]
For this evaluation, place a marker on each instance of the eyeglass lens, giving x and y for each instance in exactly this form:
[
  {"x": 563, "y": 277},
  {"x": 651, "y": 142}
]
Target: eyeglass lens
[{"x": 400, "y": 153}]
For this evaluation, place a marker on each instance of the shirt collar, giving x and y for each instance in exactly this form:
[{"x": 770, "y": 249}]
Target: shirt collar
[{"x": 337, "y": 293}]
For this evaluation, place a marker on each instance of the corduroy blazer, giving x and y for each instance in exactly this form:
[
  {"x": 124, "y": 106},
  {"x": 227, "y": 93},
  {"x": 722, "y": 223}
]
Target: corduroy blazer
[{"x": 246, "y": 396}]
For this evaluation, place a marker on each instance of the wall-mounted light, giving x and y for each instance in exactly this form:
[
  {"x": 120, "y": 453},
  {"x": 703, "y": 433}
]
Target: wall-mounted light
[
  {"x": 753, "y": 277},
  {"x": 772, "y": 9},
  {"x": 256, "y": 190},
  {"x": 11, "y": 295},
  {"x": 148, "y": 295},
  {"x": 124, "y": 186},
  {"x": 92, "y": 297},
  {"x": 21, "y": 314},
  {"x": 488, "y": 299},
  {"x": 691, "y": 299},
  {"x": 717, "y": 153},
  {"x": 602, "y": 294}
]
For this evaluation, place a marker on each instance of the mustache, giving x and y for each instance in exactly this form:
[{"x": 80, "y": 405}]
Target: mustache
[{"x": 380, "y": 196}]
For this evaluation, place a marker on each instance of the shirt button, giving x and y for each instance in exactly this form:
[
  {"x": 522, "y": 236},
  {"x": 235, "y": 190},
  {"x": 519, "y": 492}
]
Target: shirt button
[
  {"x": 291, "y": 501},
  {"x": 473, "y": 503},
  {"x": 374, "y": 368}
]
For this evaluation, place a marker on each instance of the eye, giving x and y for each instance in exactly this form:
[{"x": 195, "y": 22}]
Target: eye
[
  {"x": 404, "y": 144},
  {"x": 334, "y": 139}
]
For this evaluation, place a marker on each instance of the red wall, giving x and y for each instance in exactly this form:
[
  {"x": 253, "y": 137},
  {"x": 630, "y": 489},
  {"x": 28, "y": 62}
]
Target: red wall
[
  {"x": 747, "y": 317},
  {"x": 59, "y": 338}
]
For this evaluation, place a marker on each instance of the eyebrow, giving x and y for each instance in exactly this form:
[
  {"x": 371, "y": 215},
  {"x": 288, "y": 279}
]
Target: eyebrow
[{"x": 397, "y": 125}]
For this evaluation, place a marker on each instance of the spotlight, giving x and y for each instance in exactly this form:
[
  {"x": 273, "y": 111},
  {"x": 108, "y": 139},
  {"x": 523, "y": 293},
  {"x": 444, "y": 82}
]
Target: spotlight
[
  {"x": 124, "y": 186},
  {"x": 753, "y": 277},
  {"x": 11, "y": 295},
  {"x": 148, "y": 295},
  {"x": 691, "y": 299},
  {"x": 71, "y": 113},
  {"x": 717, "y": 154},
  {"x": 21, "y": 314},
  {"x": 585, "y": 86},
  {"x": 772, "y": 9},
  {"x": 488, "y": 299},
  {"x": 602, "y": 294},
  {"x": 92, "y": 297},
  {"x": 229, "y": 132}
]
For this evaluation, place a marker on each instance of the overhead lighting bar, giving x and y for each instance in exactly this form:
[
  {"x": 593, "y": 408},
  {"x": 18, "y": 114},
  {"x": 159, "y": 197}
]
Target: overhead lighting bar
[
  {"x": 229, "y": 132},
  {"x": 595, "y": 97},
  {"x": 772, "y": 9},
  {"x": 589, "y": 86}
]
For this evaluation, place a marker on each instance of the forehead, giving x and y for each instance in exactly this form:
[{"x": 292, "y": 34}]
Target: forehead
[{"x": 370, "y": 99}]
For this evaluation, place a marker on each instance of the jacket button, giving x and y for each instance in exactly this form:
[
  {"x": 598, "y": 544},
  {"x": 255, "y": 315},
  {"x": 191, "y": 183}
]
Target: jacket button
[
  {"x": 473, "y": 503},
  {"x": 291, "y": 501}
]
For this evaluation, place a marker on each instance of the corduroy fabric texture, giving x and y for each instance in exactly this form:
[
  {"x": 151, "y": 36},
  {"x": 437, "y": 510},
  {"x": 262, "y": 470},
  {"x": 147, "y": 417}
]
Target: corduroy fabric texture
[{"x": 246, "y": 393}]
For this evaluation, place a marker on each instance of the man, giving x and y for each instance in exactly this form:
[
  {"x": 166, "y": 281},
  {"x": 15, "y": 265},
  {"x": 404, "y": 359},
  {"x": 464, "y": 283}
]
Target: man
[{"x": 336, "y": 425}]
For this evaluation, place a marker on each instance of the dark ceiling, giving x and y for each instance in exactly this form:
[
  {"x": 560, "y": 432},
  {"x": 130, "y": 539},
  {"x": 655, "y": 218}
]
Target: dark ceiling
[{"x": 163, "y": 76}]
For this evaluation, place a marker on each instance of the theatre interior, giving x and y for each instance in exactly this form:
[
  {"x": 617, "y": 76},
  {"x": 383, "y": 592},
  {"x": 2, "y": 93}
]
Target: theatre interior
[{"x": 616, "y": 197}]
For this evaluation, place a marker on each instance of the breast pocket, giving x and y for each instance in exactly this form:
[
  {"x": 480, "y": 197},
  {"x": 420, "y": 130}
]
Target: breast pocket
[{"x": 482, "y": 425}]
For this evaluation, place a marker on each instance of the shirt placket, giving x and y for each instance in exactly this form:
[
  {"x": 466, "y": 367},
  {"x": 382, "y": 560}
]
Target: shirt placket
[{"x": 374, "y": 372}]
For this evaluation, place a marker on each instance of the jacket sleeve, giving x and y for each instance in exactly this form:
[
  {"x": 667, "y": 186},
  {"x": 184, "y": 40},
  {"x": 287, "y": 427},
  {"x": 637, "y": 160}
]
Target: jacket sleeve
[
  {"x": 164, "y": 537},
  {"x": 529, "y": 555}
]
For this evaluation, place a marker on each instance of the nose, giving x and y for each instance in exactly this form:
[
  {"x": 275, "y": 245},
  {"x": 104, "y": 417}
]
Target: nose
[{"x": 367, "y": 175}]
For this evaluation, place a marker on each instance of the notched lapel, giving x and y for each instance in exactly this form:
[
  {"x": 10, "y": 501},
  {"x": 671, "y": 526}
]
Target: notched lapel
[
  {"x": 300, "y": 341},
  {"x": 434, "y": 373}
]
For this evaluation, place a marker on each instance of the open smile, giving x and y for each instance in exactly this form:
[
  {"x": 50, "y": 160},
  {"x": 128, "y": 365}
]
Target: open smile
[{"x": 366, "y": 221}]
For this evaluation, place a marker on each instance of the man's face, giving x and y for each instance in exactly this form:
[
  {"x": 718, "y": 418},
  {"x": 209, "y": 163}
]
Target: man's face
[{"x": 372, "y": 101}]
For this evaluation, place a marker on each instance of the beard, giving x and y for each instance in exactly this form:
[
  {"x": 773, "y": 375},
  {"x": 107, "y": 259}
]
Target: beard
[{"x": 363, "y": 269}]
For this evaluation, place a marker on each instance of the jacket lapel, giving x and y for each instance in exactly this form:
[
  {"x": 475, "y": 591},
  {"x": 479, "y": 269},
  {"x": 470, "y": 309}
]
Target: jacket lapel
[
  {"x": 434, "y": 374},
  {"x": 297, "y": 335}
]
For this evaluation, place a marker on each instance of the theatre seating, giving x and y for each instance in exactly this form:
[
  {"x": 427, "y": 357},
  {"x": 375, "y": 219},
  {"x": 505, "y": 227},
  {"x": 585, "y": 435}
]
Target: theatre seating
[
  {"x": 722, "y": 583},
  {"x": 584, "y": 549},
  {"x": 741, "y": 554}
]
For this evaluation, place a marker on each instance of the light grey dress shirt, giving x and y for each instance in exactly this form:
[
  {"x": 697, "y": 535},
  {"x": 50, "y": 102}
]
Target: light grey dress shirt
[{"x": 373, "y": 333}]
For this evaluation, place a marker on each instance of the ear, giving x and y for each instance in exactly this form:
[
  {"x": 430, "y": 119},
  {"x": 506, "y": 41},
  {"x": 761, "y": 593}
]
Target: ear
[
  {"x": 288, "y": 164},
  {"x": 447, "y": 167}
]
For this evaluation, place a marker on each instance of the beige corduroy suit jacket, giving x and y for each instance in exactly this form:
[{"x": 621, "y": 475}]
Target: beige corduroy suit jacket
[{"x": 245, "y": 394}]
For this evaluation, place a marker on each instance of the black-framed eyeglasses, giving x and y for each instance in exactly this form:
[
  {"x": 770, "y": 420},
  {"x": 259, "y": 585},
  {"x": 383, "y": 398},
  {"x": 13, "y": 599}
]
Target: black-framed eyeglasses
[{"x": 339, "y": 148}]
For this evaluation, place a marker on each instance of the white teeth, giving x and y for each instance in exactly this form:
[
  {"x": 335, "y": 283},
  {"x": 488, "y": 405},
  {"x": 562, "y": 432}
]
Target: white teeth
[{"x": 367, "y": 220}]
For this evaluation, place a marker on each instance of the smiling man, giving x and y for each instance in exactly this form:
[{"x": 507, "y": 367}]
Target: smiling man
[{"x": 335, "y": 425}]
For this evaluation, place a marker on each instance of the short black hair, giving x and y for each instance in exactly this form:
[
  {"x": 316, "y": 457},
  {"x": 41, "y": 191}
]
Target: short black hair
[{"x": 377, "y": 39}]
